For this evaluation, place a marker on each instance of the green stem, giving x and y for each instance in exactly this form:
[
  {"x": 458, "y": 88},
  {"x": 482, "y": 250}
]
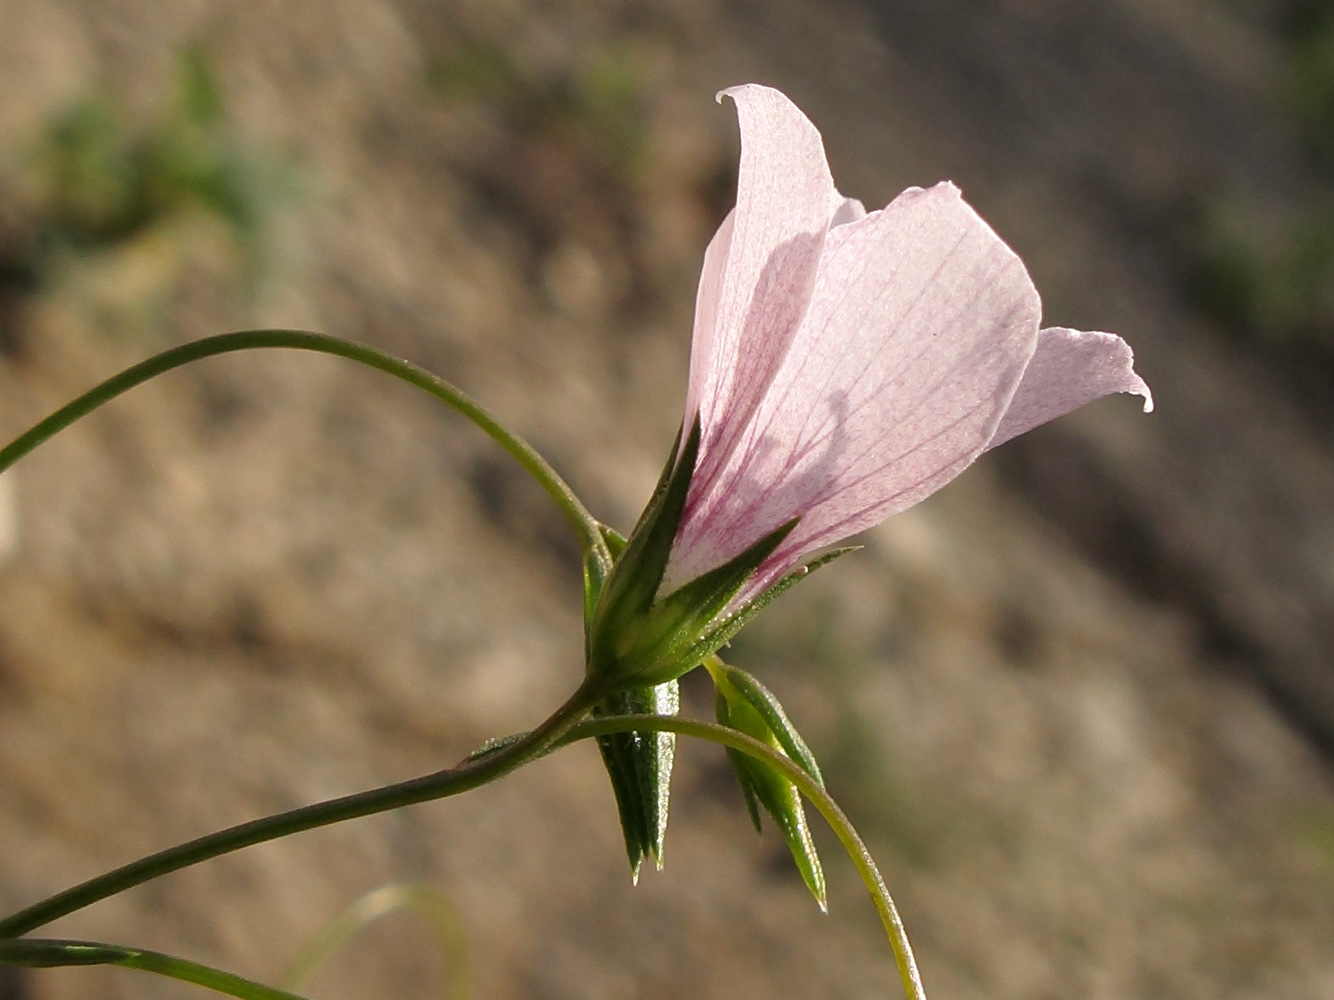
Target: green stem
[
  {"x": 468, "y": 775},
  {"x": 580, "y": 519},
  {"x": 426, "y": 901},
  {"x": 560, "y": 730},
  {"x": 793, "y": 772},
  {"x": 49, "y": 953}
]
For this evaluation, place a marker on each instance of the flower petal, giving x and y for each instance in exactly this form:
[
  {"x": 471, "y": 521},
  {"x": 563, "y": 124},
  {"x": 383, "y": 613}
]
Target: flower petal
[
  {"x": 1069, "y": 368},
  {"x": 850, "y": 210},
  {"x": 759, "y": 269},
  {"x": 920, "y": 328}
]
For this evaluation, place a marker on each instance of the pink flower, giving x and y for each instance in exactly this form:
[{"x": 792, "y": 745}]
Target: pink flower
[{"x": 846, "y": 365}]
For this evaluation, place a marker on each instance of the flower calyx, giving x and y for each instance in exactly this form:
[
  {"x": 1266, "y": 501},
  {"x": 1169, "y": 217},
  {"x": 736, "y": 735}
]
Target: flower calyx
[
  {"x": 639, "y": 765},
  {"x": 636, "y": 638}
]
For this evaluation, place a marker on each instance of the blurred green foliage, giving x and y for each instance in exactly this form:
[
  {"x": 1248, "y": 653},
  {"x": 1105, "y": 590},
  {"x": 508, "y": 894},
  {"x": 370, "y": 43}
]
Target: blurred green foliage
[
  {"x": 1271, "y": 274},
  {"x": 602, "y": 103},
  {"x": 1310, "y": 31},
  {"x": 99, "y": 183},
  {"x": 1315, "y": 830},
  {"x": 1270, "y": 277}
]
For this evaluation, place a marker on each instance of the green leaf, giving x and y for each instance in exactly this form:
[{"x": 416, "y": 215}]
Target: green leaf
[
  {"x": 682, "y": 615},
  {"x": 744, "y": 704},
  {"x": 595, "y": 578},
  {"x": 639, "y": 765},
  {"x": 738, "y": 761},
  {"x": 782, "y": 801},
  {"x": 765, "y": 702},
  {"x": 201, "y": 101}
]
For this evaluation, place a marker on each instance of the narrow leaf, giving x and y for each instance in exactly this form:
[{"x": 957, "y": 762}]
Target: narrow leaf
[
  {"x": 782, "y": 801},
  {"x": 766, "y": 703},
  {"x": 654, "y": 767},
  {"x": 738, "y": 762},
  {"x": 639, "y": 765},
  {"x": 618, "y": 758},
  {"x": 745, "y": 705}
]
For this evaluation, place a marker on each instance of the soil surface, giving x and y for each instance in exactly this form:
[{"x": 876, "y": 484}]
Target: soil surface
[{"x": 1080, "y": 702}]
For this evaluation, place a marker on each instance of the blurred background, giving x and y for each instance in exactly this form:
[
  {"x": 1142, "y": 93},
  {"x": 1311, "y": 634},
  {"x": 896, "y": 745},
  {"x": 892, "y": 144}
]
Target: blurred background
[{"x": 1081, "y": 702}]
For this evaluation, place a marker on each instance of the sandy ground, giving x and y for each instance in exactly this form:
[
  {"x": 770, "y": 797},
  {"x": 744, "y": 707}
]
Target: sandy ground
[{"x": 1076, "y": 701}]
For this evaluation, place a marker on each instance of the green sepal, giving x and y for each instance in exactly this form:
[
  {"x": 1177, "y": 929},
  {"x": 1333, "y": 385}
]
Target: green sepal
[
  {"x": 636, "y": 575},
  {"x": 726, "y": 629},
  {"x": 634, "y": 637},
  {"x": 744, "y": 704},
  {"x": 639, "y": 765},
  {"x": 660, "y": 645}
]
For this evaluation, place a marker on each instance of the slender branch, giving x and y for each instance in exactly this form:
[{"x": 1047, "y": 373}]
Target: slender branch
[
  {"x": 793, "y": 772},
  {"x": 560, "y": 730},
  {"x": 427, "y": 901},
  {"x": 49, "y": 953},
  {"x": 575, "y": 512},
  {"x": 471, "y": 774}
]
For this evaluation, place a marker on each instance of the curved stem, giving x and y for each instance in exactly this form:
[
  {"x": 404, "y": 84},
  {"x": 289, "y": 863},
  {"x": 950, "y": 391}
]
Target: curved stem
[
  {"x": 427, "y": 901},
  {"x": 471, "y": 774},
  {"x": 793, "y": 772},
  {"x": 50, "y": 953},
  {"x": 560, "y": 730},
  {"x": 580, "y": 519}
]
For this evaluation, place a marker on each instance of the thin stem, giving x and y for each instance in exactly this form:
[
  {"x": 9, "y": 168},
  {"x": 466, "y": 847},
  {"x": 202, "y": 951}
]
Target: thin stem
[
  {"x": 793, "y": 772},
  {"x": 580, "y": 519},
  {"x": 560, "y": 730},
  {"x": 471, "y": 774},
  {"x": 50, "y": 953},
  {"x": 427, "y": 901}
]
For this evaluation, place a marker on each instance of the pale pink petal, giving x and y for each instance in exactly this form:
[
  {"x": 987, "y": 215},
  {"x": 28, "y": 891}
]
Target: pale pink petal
[
  {"x": 921, "y": 325},
  {"x": 1069, "y": 368},
  {"x": 760, "y": 268},
  {"x": 849, "y": 210},
  {"x": 704, "y": 344}
]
